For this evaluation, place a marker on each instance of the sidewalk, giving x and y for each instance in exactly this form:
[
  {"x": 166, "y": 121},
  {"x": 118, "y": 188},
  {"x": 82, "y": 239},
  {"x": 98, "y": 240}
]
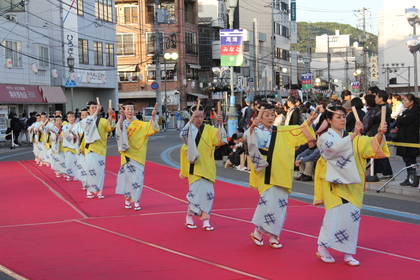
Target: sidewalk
[{"x": 394, "y": 186}]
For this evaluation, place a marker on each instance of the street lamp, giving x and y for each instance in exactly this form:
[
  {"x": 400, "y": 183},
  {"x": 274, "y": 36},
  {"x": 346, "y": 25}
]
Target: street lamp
[
  {"x": 412, "y": 15},
  {"x": 70, "y": 64},
  {"x": 284, "y": 70},
  {"x": 168, "y": 56},
  {"x": 232, "y": 115}
]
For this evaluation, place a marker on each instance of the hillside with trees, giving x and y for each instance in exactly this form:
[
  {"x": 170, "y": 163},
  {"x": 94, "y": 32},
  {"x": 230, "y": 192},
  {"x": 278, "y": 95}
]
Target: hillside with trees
[{"x": 307, "y": 32}]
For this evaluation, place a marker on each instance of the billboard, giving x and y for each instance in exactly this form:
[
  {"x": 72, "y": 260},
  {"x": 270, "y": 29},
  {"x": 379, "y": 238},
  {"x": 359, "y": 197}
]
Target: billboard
[{"x": 231, "y": 47}]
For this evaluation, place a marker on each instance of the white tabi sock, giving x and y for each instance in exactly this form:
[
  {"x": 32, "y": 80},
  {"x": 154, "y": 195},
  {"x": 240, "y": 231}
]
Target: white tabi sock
[
  {"x": 189, "y": 220},
  {"x": 206, "y": 223},
  {"x": 257, "y": 234},
  {"x": 324, "y": 252}
]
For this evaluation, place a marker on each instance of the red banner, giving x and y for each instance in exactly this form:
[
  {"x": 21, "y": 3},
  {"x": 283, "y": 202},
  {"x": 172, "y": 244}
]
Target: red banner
[{"x": 20, "y": 94}]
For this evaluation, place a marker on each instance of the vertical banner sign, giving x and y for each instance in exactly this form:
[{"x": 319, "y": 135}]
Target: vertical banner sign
[
  {"x": 374, "y": 68},
  {"x": 307, "y": 80},
  {"x": 231, "y": 48},
  {"x": 71, "y": 38},
  {"x": 355, "y": 87},
  {"x": 293, "y": 24},
  {"x": 293, "y": 10}
]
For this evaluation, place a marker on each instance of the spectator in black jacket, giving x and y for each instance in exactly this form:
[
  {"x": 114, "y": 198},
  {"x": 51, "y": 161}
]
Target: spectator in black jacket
[
  {"x": 408, "y": 132},
  {"x": 381, "y": 165},
  {"x": 350, "y": 119},
  {"x": 372, "y": 109},
  {"x": 31, "y": 119},
  {"x": 293, "y": 116},
  {"x": 15, "y": 127}
]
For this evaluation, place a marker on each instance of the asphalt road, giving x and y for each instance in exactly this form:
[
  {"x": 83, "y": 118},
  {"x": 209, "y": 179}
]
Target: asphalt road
[{"x": 163, "y": 148}]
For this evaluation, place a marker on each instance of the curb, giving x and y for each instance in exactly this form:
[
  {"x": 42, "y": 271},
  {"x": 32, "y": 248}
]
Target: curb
[{"x": 412, "y": 192}]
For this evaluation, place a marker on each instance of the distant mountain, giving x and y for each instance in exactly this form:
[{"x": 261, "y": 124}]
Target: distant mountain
[{"x": 307, "y": 32}]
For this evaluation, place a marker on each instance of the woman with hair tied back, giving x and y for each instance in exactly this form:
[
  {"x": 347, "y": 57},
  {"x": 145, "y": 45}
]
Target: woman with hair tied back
[
  {"x": 408, "y": 126},
  {"x": 339, "y": 182}
]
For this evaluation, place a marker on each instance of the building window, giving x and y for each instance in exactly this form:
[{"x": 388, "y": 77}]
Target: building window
[
  {"x": 276, "y": 4},
  {"x": 129, "y": 76},
  {"x": 282, "y": 54},
  {"x": 127, "y": 14},
  {"x": 109, "y": 55},
  {"x": 12, "y": 6},
  {"x": 170, "y": 75},
  {"x": 150, "y": 12},
  {"x": 98, "y": 56},
  {"x": 103, "y": 10},
  {"x": 83, "y": 51},
  {"x": 80, "y": 10},
  {"x": 189, "y": 7},
  {"x": 191, "y": 43},
  {"x": 43, "y": 56},
  {"x": 125, "y": 44},
  {"x": 285, "y": 7},
  {"x": 169, "y": 6},
  {"x": 285, "y": 55},
  {"x": 192, "y": 73},
  {"x": 13, "y": 51},
  {"x": 151, "y": 42},
  {"x": 285, "y": 31}
]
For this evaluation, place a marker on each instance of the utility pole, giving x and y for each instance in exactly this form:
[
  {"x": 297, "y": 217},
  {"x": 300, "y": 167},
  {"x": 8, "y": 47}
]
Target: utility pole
[
  {"x": 256, "y": 47},
  {"x": 273, "y": 49},
  {"x": 416, "y": 81},
  {"x": 157, "y": 56},
  {"x": 362, "y": 12},
  {"x": 329, "y": 62},
  {"x": 347, "y": 69}
]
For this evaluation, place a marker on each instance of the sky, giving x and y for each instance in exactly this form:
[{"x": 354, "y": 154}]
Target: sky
[{"x": 341, "y": 11}]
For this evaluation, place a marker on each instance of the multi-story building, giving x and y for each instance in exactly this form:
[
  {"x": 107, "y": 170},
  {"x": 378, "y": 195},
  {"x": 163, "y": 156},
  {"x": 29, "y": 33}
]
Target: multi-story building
[
  {"x": 345, "y": 58},
  {"x": 137, "y": 52},
  {"x": 395, "y": 62},
  {"x": 267, "y": 57},
  {"x": 39, "y": 37}
]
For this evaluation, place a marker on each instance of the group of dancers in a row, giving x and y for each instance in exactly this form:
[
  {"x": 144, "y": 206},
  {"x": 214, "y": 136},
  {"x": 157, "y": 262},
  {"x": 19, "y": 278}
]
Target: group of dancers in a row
[{"x": 77, "y": 151}]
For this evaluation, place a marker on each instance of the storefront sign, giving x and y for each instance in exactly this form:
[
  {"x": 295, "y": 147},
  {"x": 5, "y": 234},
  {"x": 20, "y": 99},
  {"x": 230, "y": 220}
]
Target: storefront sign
[
  {"x": 91, "y": 77},
  {"x": 20, "y": 94}
]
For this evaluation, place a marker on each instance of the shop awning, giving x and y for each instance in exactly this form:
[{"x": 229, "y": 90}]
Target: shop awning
[
  {"x": 53, "y": 95},
  {"x": 169, "y": 66},
  {"x": 21, "y": 94},
  {"x": 136, "y": 94},
  {"x": 127, "y": 68},
  {"x": 199, "y": 95}
]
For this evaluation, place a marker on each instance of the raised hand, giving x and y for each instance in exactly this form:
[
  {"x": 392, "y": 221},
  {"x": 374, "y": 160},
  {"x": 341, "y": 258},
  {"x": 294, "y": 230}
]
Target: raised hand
[
  {"x": 383, "y": 128},
  {"x": 154, "y": 111},
  {"x": 358, "y": 127}
]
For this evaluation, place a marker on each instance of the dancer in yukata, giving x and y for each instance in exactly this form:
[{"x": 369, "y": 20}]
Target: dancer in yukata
[
  {"x": 199, "y": 166},
  {"x": 339, "y": 182},
  {"x": 132, "y": 138}
]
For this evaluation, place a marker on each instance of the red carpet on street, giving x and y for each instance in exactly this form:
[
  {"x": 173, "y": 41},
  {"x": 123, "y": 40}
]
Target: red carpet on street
[{"x": 49, "y": 230}]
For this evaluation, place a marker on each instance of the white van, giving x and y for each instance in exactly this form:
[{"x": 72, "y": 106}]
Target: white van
[{"x": 147, "y": 113}]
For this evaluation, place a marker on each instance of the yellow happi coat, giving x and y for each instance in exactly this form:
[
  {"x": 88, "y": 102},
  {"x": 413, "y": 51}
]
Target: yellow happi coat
[
  {"x": 205, "y": 165},
  {"x": 138, "y": 133},
  {"x": 288, "y": 138},
  {"x": 99, "y": 146},
  {"x": 331, "y": 194}
]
